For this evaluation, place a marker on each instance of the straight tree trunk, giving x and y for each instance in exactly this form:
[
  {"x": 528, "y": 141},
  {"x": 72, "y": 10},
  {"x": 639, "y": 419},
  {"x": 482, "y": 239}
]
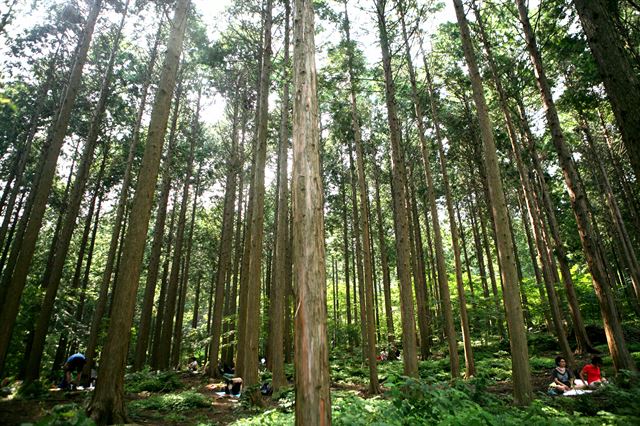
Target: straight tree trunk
[
  {"x": 226, "y": 241},
  {"x": 400, "y": 202},
  {"x": 173, "y": 286},
  {"x": 118, "y": 223},
  {"x": 252, "y": 314},
  {"x": 347, "y": 250},
  {"x": 357, "y": 230},
  {"x": 227, "y": 354},
  {"x": 517, "y": 338},
  {"x": 107, "y": 404},
  {"x": 177, "y": 340},
  {"x": 313, "y": 400},
  {"x": 157, "y": 326},
  {"x": 443, "y": 280},
  {"x": 590, "y": 243},
  {"x": 470, "y": 369},
  {"x": 14, "y": 279},
  {"x": 621, "y": 80},
  {"x": 384, "y": 263},
  {"x": 419, "y": 278},
  {"x": 153, "y": 267},
  {"x": 72, "y": 210},
  {"x": 277, "y": 301}
]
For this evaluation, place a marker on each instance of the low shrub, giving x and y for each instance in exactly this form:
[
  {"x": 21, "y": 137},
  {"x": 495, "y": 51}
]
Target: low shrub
[
  {"x": 33, "y": 390},
  {"x": 66, "y": 415},
  {"x": 163, "y": 381},
  {"x": 172, "y": 402}
]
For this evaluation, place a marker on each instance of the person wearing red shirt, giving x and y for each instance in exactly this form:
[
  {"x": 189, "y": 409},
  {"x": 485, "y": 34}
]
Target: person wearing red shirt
[{"x": 591, "y": 374}]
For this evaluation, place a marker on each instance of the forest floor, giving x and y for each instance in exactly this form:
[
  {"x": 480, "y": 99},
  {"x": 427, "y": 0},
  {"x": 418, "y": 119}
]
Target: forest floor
[{"x": 181, "y": 398}]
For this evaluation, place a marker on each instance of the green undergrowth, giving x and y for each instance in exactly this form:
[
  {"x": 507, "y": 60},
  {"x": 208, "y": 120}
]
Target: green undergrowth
[
  {"x": 423, "y": 402},
  {"x": 65, "y": 415},
  {"x": 171, "y": 402},
  {"x": 150, "y": 381}
]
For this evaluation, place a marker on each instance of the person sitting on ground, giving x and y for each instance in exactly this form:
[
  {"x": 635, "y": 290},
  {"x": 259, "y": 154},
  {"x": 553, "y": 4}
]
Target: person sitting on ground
[
  {"x": 591, "y": 374},
  {"x": 562, "y": 377},
  {"x": 226, "y": 369},
  {"x": 193, "y": 364},
  {"x": 75, "y": 363}
]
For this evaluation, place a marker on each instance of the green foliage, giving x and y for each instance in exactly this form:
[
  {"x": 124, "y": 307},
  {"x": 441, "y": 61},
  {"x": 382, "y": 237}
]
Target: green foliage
[
  {"x": 172, "y": 402},
  {"x": 163, "y": 381},
  {"x": 422, "y": 402},
  {"x": 33, "y": 390},
  {"x": 542, "y": 342},
  {"x": 66, "y": 415},
  {"x": 619, "y": 398}
]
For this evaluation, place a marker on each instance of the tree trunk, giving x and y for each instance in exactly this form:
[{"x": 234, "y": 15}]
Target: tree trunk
[
  {"x": 277, "y": 301},
  {"x": 364, "y": 221},
  {"x": 107, "y": 405},
  {"x": 313, "y": 400},
  {"x": 157, "y": 327},
  {"x": 173, "y": 287},
  {"x": 590, "y": 243},
  {"x": 443, "y": 280},
  {"x": 384, "y": 263},
  {"x": 400, "y": 203},
  {"x": 226, "y": 240},
  {"x": 517, "y": 338},
  {"x": 251, "y": 316},
  {"x": 119, "y": 219},
  {"x": 15, "y": 278},
  {"x": 144, "y": 327},
  {"x": 470, "y": 369},
  {"x": 72, "y": 210},
  {"x": 177, "y": 339},
  {"x": 419, "y": 278},
  {"x": 621, "y": 80}
]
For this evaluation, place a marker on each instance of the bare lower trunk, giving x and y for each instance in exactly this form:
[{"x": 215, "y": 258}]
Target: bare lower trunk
[
  {"x": 590, "y": 242},
  {"x": 226, "y": 240},
  {"x": 107, "y": 404},
  {"x": 252, "y": 314},
  {"x": 400, "y": 203},
  {"x": 14, "y": 280},
  {"x": 621, "y": 80},
  {"x": 517, "y": 338},
  {"x": 313, "y": 401}
]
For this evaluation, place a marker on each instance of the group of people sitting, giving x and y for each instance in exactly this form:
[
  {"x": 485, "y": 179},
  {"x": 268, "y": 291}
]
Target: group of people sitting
[{"x": 564, "y": 380}]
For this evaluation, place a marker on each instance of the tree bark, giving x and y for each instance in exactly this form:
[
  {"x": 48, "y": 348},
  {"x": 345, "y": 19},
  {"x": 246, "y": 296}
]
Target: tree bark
[
  {"x": 226, "y": 240},
  {"x": 590, "y": 243},
  {"x": 72, "y": 210},
  {"x": 173, "y": 287},
  {"x": 384, "y": 263},
  {"x": 14, "y": 280},
  {"x": 277, "y": 301},
  {"x": 522, "y": 390},
  {"x": 252, "y": 315},
  {"x": 107, "y": 404},
  {"x": 470, "y": 369},
  {"x": 399, "y": 202},
  {"x": 621, "y": 80},
  {"x": 313, "y": 400}
]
